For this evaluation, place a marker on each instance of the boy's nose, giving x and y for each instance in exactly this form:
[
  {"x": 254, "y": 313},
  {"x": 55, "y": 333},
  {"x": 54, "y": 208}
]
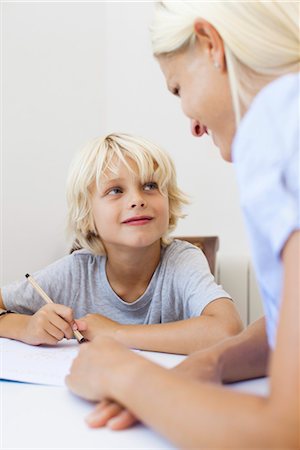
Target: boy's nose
[
  {"x": 141, "y": 204},
  {"x": 136, "y": 199}
]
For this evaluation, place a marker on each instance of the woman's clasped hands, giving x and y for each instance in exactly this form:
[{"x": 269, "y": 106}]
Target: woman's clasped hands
[{"x": 108, "y": 359}]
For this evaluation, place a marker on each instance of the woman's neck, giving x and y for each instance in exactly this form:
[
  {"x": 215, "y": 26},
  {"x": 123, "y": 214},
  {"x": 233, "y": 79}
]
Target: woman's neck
[{"x": 251, "y": 83}]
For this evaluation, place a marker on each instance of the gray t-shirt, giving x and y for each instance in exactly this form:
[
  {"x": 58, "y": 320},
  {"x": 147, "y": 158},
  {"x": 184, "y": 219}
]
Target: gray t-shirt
[{"x": 180, "y": 288}]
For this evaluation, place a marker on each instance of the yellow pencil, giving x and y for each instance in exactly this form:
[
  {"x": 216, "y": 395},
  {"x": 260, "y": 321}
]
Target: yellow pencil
[{"x": 47, "y": 299}]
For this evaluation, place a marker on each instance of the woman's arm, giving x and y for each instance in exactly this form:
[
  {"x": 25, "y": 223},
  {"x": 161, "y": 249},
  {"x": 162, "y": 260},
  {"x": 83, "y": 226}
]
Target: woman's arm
[
  {"x": 218, "y": 321},
  {"x": 190, "y": 413},
  {"x": 237, "y": 358}
]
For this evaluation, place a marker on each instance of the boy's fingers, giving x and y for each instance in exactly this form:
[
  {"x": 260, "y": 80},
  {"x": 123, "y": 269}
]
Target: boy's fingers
[
  {"x": 80, "y": 325},
  {"x": 54, "y": 331},
  {"x": 64, "y": 311},
  {"x": 63, "y": 327}
]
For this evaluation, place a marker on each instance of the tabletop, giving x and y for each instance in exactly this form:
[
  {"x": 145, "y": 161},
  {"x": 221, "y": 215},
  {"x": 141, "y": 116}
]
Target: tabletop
[{"x": 35, "y": 416}]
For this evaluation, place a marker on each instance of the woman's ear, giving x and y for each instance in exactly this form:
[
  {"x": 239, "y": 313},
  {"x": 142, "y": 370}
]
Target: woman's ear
[{"x": 212, "y": 41}]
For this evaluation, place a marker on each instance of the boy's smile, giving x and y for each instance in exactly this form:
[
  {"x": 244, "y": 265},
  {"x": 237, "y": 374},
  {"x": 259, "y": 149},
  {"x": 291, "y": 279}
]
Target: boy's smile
[
  {"x": 138, "y": 220},
  {"x": 128, "y": 212}
]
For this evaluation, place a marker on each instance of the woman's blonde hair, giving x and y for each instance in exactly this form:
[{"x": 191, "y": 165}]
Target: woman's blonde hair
[
  {"x": 105, "y": 154},
  {"x": 261, "y": 39}
]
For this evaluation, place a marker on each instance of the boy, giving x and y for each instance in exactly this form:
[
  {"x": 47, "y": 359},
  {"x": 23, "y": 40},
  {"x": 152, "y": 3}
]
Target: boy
[{"x": 123, "y": 202}]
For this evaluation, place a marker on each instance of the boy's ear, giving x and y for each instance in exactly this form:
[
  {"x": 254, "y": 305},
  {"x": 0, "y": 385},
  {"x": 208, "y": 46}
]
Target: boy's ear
[{"x": 210, "y": 39}]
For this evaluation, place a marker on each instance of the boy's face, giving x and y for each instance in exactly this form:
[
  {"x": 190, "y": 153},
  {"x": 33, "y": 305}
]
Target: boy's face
[{"x": 128, "y": 213}]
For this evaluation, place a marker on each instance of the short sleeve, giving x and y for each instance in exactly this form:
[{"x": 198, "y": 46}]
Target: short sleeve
[
  {"x": 196, "y": 282},
  {"x": 266, "y": 157},
  {"x": 57, "y": 280}
]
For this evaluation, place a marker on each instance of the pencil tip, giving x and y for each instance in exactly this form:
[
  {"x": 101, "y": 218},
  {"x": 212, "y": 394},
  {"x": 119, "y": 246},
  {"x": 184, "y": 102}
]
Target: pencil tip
[{"x": 27, "y": 275}]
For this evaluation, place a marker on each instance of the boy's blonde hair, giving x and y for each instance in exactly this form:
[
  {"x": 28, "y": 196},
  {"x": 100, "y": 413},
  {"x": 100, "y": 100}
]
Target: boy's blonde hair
[
  {"x": 105, "y": 154},
  {"x": 261, "y": 39}
]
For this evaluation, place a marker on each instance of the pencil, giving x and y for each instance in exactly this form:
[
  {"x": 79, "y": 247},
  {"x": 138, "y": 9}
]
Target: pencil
[{"x": 47, "y": 299}]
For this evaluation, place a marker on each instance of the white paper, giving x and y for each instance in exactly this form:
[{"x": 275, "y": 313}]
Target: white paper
[
  {"x": 50, "y": 364},
  {"x": 36, "y": 364}
]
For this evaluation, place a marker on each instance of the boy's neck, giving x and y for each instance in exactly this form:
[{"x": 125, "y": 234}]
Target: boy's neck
[{"x": 129, "y": 273}]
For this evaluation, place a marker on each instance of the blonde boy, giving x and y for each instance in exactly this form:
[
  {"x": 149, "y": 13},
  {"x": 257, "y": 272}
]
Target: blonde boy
[{"x": 129, "y": 279}]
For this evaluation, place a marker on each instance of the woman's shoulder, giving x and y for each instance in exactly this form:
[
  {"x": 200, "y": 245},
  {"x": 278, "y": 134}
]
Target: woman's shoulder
[
  {"x": 283, "y": 90},
  {"x": 285, "y": 86},
  {"x": 270, "y": 124}
]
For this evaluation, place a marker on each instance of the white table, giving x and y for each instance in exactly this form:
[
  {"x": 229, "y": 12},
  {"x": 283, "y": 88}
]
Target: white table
[{"x": 50, "y": 417}]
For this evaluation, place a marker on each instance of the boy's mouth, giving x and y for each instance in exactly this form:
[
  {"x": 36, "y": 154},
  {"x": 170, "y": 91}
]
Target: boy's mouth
[{"x": 138, "y": 220}]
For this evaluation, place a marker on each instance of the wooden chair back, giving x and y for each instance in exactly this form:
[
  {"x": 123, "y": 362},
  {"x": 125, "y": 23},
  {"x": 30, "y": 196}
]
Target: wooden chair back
[{"x": 208, "y": 244}]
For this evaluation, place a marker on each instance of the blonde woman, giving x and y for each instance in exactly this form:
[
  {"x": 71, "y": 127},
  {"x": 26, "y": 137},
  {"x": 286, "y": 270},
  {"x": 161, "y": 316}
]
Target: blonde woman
[
  {"x": 235, "y": 67},
  {"x": 129, "y": 280}
]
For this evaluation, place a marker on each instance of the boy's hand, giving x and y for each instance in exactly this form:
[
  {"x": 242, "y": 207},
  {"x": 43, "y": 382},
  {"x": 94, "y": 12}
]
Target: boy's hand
[
  {"x": 93, "y": 325},
  {"x": 48, "y": 325}
]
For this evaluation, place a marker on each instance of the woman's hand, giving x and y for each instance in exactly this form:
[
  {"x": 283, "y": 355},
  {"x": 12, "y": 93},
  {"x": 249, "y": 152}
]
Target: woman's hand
[
  {"x": 112, "y": 415},
  {"x": 48, "y": 325},
  {"x": 99, "y": 367},
  {"x": 201, "y": 366},
  {"x": 93, "y": 325}
]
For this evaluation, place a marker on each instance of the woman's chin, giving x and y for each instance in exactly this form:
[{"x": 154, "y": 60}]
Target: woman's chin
[
  {"x": 225, "y": 153},
  {"x": 224, "y": 148}
]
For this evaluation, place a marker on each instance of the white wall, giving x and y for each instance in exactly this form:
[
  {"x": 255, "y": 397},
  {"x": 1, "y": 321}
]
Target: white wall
[
  {"x": 73, "y": 71},
  {"x": 53, "y": 102}
]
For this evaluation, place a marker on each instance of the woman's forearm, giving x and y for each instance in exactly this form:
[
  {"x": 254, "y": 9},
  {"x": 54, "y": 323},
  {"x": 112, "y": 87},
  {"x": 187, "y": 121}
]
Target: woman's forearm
[
  {"x": 187, "y": 413},
  {"x": 246, "y": 356},
  {"x": 195, "y": 414},
  {"x": 236, "y": 358}
]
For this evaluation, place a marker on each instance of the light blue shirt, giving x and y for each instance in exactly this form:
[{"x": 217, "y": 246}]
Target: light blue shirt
[{"x": 266, "y": 156}]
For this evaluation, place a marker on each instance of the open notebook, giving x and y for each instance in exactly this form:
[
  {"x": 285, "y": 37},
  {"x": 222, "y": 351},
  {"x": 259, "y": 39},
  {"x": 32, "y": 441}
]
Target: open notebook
[{"x": 50, "y": 364}]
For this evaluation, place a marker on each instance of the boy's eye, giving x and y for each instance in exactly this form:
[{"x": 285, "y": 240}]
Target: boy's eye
[
  {"x": 150, "y": 186},
  {"x": 114, "y": 191}
]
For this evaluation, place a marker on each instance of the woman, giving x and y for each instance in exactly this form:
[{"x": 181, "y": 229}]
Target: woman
[{"x": 235, "y": 67}]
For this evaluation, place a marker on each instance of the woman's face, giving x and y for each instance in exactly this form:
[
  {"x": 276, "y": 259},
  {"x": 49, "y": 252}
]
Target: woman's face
[{"x": 204, "y": 93}]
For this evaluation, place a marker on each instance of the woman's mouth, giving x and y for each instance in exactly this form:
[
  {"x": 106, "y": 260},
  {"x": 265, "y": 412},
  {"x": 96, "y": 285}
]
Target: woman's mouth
[{"x": 198, "y": 129}]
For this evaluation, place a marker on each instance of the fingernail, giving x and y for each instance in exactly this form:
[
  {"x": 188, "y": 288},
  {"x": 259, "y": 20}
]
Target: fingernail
[
  {"x": 112, "y": 422},
  {"x": 93, "y": 417}
]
